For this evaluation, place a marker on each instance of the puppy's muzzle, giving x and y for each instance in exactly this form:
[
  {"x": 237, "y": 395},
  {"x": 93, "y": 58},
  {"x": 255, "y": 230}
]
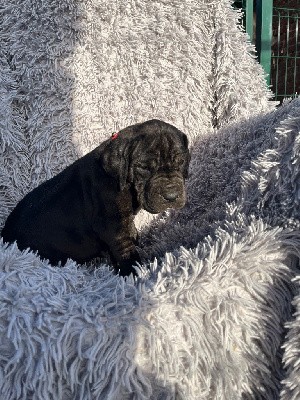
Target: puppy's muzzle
[
  {"x": 164, "y": 192},
  {"x": 171, "y": 195}
]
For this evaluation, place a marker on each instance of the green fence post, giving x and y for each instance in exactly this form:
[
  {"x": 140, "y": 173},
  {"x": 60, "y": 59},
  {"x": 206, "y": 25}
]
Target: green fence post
[
  {"x": 264, "y": 14},
  {"x": 249, "y": 19}
]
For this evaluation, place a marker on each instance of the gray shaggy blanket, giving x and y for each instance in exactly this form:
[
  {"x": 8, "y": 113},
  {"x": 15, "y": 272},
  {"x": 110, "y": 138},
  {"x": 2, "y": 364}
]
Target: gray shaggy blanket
[{"x": 211, "y": 314}]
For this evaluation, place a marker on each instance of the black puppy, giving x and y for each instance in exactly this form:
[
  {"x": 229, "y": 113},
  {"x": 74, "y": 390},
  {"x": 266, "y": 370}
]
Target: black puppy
[{"x": 88, "y": 209}]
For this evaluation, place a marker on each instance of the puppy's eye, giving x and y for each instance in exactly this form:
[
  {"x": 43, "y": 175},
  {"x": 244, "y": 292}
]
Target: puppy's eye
[
  {"x": 144, "y": 169},
  {"x": 179, "y": 160}
]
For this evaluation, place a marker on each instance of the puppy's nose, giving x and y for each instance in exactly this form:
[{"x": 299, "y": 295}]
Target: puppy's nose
[{"x": 171, "y": 196}]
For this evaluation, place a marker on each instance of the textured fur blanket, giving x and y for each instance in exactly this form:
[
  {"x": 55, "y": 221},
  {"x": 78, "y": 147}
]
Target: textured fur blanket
[{"x": 217, "y": 314}]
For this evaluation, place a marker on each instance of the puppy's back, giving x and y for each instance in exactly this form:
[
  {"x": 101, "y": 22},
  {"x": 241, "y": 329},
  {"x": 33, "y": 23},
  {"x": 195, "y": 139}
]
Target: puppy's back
[{"x": 33, "y": 216}]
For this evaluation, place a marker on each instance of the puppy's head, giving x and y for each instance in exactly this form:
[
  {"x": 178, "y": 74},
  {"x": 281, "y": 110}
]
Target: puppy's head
[{"x": 153, "y": 158}]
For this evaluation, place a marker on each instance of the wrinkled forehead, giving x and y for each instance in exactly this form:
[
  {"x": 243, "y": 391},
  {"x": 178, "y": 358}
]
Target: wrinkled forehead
[{"x": 162, "y": 147}]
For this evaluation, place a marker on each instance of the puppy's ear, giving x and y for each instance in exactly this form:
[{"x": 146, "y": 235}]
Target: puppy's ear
[{"x": 115, "y": 159}]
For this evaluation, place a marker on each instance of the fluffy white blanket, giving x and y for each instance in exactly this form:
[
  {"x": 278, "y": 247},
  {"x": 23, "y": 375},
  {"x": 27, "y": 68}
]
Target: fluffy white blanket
[{"x": 209, "y": 319}]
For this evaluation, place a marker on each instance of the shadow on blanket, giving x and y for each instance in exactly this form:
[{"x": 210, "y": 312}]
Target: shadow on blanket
[{"x": 66, "y": 337}]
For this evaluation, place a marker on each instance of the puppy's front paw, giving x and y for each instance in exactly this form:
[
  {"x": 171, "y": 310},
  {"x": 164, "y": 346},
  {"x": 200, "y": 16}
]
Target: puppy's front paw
[{"x": 125, "y": 266}]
